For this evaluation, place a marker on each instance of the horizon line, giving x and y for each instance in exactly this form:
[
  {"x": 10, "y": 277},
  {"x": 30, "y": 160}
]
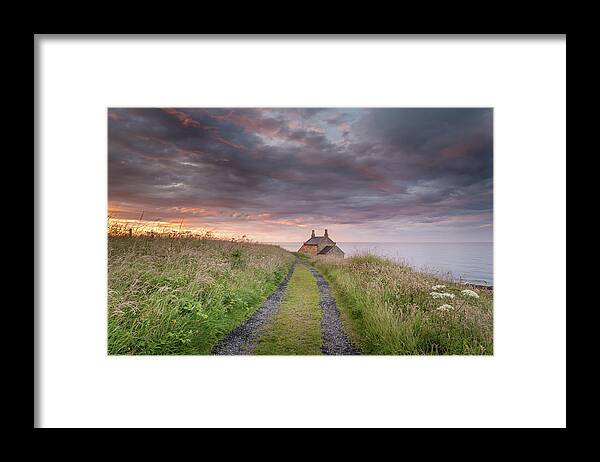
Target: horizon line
[{"x": 392, "y": 242}]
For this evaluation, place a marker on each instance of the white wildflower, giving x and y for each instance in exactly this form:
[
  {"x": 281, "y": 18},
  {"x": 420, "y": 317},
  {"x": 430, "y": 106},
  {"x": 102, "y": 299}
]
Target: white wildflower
[
  {"x": 438, "y": 295},
  {"x": 445, "y": 308},
  {"x": 438, "y": 287},
  {"x": 469, "y": 293}
]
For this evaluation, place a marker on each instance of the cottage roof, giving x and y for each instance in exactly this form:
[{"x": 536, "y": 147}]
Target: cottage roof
[
  {"x": 319, "y": 240},
  {"x": 327, "y": 249}
]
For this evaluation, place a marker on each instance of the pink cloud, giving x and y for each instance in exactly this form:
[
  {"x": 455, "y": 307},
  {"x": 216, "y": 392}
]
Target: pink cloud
[{"x": 183, "y": 118}]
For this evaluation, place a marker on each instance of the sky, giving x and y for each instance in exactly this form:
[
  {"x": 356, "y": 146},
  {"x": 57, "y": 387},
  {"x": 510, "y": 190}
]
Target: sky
[{"x": 273, "y": 175}]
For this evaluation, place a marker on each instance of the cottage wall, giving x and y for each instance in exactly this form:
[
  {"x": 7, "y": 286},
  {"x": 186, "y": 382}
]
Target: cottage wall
[{"x": 308, "y": 249}]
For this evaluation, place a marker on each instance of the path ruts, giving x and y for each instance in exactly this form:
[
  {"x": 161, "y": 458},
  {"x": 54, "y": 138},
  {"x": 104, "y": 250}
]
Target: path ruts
[
  {"x": 241, "y": 339},
  {"x": 335, "y": 340}
]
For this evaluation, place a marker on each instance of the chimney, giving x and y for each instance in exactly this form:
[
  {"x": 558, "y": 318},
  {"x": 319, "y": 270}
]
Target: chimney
[
  {"x": 313, "y": 233},
  {"x": 326, "y": 233}
]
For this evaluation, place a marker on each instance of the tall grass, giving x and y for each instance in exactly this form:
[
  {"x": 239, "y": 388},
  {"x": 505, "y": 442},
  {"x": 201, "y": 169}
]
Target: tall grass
[
  {"x": 176, "y": 295},
  {"x": 388, "y": 309}
]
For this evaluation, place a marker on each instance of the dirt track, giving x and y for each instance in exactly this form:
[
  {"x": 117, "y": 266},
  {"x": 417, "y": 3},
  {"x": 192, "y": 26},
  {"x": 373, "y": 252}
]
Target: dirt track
[
  {"x": 335, "y": 340},
  {"x": 242, "y": 339}
]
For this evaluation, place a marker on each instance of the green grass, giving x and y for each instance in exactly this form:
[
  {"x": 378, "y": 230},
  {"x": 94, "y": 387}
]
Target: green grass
[
  {"x": 302, "y": 256},
  {"x": 296, "y": 327},
  {"x": 387, "y": 309},
  {"x": 172, "y": 296}
]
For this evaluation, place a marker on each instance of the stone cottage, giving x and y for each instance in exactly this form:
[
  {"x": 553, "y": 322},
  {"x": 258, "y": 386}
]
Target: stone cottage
[{"x": 321, "y": 245}]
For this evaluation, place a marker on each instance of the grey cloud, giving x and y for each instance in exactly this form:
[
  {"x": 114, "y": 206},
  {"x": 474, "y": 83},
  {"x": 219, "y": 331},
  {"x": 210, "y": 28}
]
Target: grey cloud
[{"x": 395, "y": 164}]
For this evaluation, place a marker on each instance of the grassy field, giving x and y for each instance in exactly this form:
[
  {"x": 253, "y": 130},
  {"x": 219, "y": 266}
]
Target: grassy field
[
  {"x": 174, "y": 295},
  {"x": 296, "y": 328},
  {"x": 390, "y": 309},
  {"x": 170, "y": 295}
]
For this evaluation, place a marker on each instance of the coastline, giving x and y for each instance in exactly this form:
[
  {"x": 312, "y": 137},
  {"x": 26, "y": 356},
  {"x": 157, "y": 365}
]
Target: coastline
[{"x": 467, "y": 263}]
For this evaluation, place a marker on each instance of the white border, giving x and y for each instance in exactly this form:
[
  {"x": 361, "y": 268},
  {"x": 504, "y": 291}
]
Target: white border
[{"x": 522, "y": 385}]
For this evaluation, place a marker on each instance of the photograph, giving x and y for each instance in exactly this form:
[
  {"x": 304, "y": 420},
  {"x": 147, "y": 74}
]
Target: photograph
[
  {"x": 300, "y": 231},
  {"x": 295, "y": 231}
]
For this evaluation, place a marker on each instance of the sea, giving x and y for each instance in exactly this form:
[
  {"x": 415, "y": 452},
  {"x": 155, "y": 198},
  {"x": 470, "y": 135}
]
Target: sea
[{"x": 464, "y": 261}]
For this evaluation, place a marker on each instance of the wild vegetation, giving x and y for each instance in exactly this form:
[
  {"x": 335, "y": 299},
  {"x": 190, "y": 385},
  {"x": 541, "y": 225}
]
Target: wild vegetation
[
  {"x": 295, "y": 329},
  {"x": 388, "y": 308},
  {"x": 172, "y": 293},
  {"x": 182, "y": 295}
]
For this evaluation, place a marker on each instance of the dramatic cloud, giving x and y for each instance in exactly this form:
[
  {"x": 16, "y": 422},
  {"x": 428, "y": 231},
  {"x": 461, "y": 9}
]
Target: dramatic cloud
[{"x": 275, "y": 174}]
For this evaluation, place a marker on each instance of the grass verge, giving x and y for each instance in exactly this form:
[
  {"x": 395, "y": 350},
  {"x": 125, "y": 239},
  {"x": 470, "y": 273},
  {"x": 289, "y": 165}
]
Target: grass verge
[
  {"x": 388, "y": 308},
  {"x": 296, "y": 327},
  {"x": 174, "y": 296}
]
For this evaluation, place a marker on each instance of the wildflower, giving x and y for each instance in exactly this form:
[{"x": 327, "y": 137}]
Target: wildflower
[
  {"x": 469, "y": 293},
  {"x": 438, "y": 295},
  {"x": 445, "y": 308},
  {"x": 438, "y": 287}
]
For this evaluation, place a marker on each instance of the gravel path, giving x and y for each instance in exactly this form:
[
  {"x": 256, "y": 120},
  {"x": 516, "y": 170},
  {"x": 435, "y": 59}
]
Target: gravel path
[
  {"x": 240, "y": 341},
  {"x": 335, "y": 340}
]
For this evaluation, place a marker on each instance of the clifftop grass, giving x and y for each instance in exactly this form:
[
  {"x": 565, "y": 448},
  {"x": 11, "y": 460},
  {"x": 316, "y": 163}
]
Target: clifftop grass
[
  {"x": 169, "y": 295},
  {"x": 391, "y": 309}
]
